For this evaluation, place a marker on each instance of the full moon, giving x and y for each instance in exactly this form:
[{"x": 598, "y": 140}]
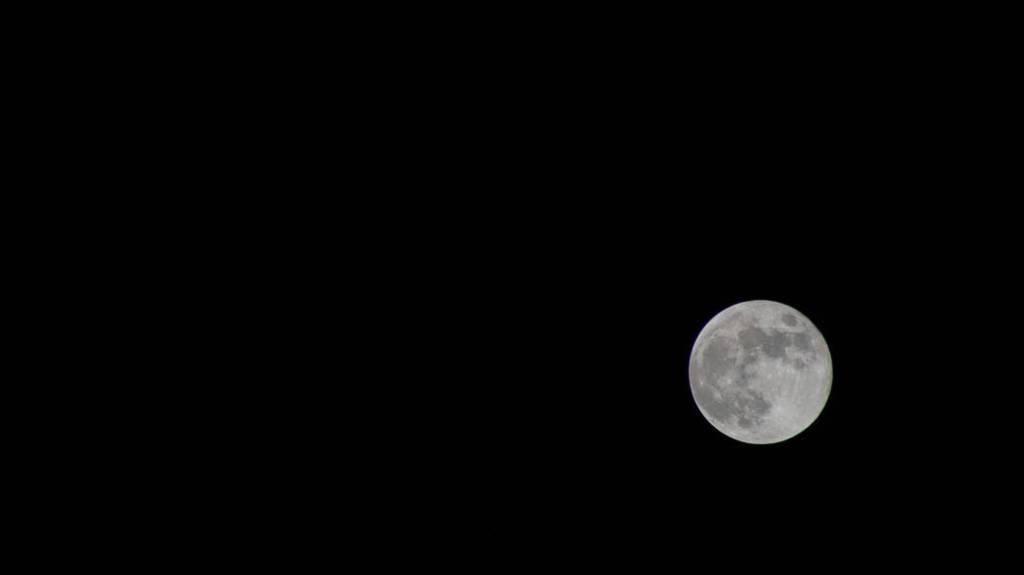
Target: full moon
[{"x": 760, "y": 372}]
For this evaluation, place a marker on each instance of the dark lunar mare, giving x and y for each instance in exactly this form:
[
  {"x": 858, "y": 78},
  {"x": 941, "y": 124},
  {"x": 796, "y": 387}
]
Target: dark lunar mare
[
  {"x": 772, "y": 343},
  {"x": 802, "y": 341}
]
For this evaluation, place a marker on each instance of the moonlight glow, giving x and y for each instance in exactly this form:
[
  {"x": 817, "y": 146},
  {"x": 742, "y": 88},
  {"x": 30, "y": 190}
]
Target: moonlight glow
[{"x": 760, "y": 372}]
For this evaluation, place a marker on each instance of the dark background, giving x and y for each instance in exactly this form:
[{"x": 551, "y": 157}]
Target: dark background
[
  {"x": 585, "y": 224},
  {"x": 453, "y": 274},
  {"x": 562, "y": 369},
  {"x": 555, "y": 304}
]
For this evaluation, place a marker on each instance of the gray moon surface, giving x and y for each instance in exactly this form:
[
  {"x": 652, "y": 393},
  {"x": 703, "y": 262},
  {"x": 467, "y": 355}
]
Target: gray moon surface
[{"x": 760, "y": 372}]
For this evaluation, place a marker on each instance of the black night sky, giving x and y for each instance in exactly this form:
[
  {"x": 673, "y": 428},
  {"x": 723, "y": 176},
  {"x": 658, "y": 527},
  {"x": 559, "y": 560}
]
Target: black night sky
[
  {"x": 574, "y": 230},
  {"x": 566, "y": 393},
  {"x": 448, "y": 266}
]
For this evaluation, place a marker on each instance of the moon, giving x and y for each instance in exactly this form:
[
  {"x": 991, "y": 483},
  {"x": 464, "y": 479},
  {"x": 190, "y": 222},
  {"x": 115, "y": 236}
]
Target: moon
[{"x": 760, "y": 372}]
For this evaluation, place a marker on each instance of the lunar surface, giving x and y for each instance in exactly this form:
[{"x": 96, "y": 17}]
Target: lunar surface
[{"x": 760, "y": 372}]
